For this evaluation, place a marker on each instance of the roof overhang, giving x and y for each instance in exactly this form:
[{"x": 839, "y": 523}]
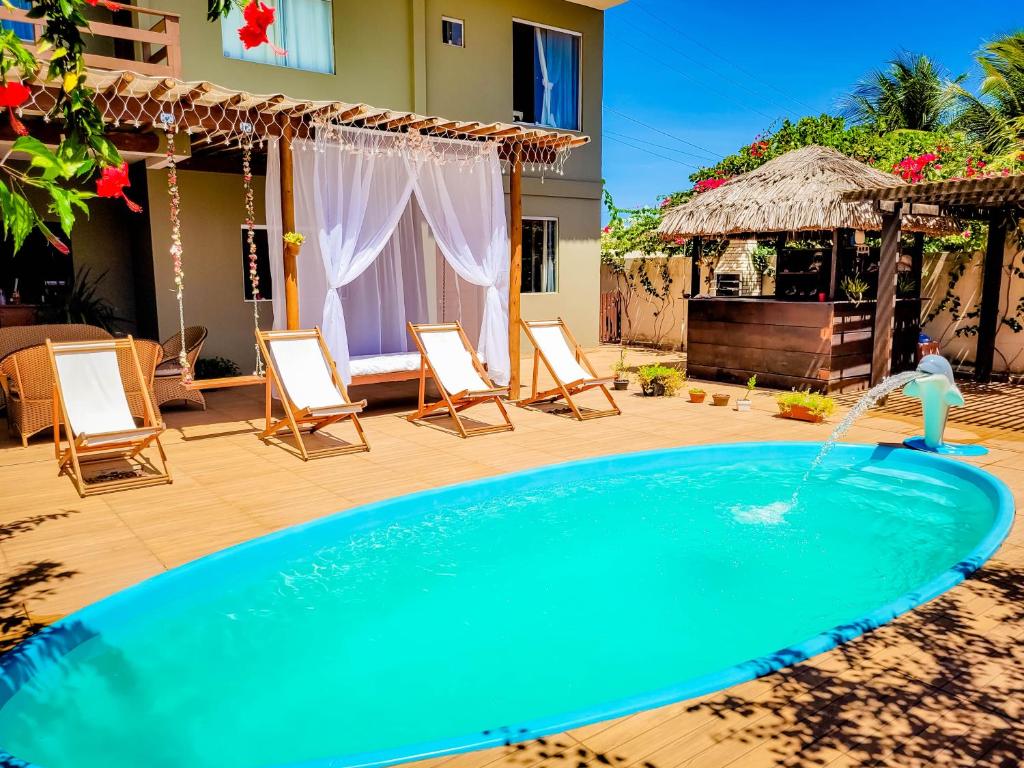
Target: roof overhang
[
  {"x": 965, "y": 197},
  {"x": 601, "y": 5}
]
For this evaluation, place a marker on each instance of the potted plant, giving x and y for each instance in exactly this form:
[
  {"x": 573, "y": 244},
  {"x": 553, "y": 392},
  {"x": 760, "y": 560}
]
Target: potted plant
[
  {"x": 743, "y": 404},
  {"x": 657, "y": 380},
  {"x": 621, "y": 370},
  {"x": 855, "y": 288},
  {"x": 805, "y": 406},
  {"x": 720, "y": 399},
  {"x": 697, "y": 395}
]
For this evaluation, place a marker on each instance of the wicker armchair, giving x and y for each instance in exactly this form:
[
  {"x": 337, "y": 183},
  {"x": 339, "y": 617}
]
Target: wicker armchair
[
  {"x": 167, "y": 386},
  {"x": 21, "y": 336},
  {"x": 27, "y": 382}
]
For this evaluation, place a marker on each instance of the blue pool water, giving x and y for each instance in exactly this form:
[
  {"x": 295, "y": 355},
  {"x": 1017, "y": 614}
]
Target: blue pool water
[{"x": 498, "y": 609}]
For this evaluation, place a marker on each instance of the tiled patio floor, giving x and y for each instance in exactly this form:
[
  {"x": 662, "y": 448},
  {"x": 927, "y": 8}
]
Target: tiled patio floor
[{"x": 942, "y": 686}]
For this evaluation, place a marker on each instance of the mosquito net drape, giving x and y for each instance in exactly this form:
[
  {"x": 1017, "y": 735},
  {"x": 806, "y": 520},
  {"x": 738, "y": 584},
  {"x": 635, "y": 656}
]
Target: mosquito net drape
[{"x": 359, "y": 198}]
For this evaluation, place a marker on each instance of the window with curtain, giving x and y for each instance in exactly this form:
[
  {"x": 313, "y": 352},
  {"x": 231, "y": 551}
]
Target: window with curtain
[
  {"x": 540, "y": 255},
  {"x": 303, "y": 28},
  {"x": 545, "y": 76},
  {"x": 24, "y": 31}
]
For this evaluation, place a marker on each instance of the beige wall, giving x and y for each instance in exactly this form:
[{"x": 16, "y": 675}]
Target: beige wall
[
  {"x": 212, "y": 211},
  {"x": 960, "y": 350},
  {"x": 667, "y": 329}
]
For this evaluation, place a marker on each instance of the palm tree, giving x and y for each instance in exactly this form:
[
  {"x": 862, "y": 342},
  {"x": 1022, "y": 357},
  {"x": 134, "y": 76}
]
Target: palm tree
[
  {"x": 996, "y": 116},
  {"x": 911, "y": 93}
]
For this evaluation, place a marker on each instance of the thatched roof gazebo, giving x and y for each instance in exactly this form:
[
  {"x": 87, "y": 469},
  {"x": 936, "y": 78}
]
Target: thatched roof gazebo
[
  {"x": 800, "y": 191},
  {"x": 805, "y": 334}
]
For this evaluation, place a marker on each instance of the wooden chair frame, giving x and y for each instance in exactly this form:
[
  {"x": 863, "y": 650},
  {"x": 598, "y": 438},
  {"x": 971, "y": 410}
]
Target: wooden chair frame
[
  {"x": 299, "y": 419},
  {"x": 565, "y": 389},
  {"x": 455, "y": 402},
  {"x": 79, "y": 451}
]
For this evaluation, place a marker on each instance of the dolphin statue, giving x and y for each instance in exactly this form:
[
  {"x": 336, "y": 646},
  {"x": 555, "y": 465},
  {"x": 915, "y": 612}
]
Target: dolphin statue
[{"x": 937, "y": 391}]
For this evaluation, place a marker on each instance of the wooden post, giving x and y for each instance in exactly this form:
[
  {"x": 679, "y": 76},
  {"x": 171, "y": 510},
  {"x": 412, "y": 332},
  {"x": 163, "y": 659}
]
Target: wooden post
[
  {"x": 991, "y": 287},
  {"x": 885, "y": 299},
  {"x": 291, "y": 275},
  {"x": 833, "y": 271},
  {"x": 515, "y": 270},
  {"x": 698, "y": 247}
]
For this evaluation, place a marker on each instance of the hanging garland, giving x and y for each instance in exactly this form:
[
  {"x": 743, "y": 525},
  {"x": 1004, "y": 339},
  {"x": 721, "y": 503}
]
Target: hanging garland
[
  {"x": 170, "y": 131},
  {"x": 250, "y": 236}
]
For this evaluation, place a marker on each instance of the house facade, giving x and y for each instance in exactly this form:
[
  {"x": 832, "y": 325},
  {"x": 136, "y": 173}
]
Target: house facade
[{"x": 532, "y": 62}]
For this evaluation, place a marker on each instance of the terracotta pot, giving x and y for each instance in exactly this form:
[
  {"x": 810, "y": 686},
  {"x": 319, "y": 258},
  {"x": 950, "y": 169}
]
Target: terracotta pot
[
  {"x": 697, "y": 397},
  {"x": 720, "y": 400},
  {"x": 801, "y": 413}
]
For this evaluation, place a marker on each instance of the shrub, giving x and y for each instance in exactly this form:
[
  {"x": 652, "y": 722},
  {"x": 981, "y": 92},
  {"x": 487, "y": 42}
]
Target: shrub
[
  {"x": 819, "y": 405},
  {"x": 215, "y": 368},
  {"x": 696, "y": 391},
  {"x": 657, "y": 379}
]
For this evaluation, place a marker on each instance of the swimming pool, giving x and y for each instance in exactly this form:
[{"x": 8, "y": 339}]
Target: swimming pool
[{"x": 498, "y": 610}]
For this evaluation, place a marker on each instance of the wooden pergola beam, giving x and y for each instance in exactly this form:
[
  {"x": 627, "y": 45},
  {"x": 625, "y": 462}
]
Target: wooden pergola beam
[
  {"x": 991, "y": 287},
  {"x": 885, "y": 298}
]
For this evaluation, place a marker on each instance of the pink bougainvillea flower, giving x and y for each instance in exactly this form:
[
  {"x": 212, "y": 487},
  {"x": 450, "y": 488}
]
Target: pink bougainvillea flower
[
  {"x": 12, "y": 96},
  {"x": 112, "y": 182},
  {"x": 708, "y": 184},
  {"x": 258, "y": 18},
  {"x": 607, "y": 229},
  {"x": 966, "y": 234}
]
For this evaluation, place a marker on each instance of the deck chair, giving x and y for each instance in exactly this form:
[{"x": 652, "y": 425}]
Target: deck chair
[
  {"x": 89, "y": 399},
  {"x": 554, "y": 344},
  {"x": 449, "y": 358},
  {"x": 312, "y": 394}
]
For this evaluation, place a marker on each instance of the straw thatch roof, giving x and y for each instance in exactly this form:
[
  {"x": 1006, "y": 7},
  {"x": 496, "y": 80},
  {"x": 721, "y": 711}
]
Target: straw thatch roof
[{"x": 800, "y": 191}]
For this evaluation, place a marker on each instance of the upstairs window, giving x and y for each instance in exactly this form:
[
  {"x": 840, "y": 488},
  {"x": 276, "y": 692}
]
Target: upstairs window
[
  {"x": 540, "y": 255},
  {"x": 453, "y": 32},
  {"x": 303, "y": 28},
  {"x": 545, "y": 76},
  {"x": 25, "y": 31}
]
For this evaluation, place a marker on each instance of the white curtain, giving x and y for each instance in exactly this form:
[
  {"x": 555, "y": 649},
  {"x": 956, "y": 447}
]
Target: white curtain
[
  {"x": 464, "y": 205},
  {"x": 361, "y": 271},
  {"x": 557, "y": 68},
  {"x": 361, "y": 191}
]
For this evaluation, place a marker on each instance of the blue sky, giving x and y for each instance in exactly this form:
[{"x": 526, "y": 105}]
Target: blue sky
[{"x": 712, "y": 74}]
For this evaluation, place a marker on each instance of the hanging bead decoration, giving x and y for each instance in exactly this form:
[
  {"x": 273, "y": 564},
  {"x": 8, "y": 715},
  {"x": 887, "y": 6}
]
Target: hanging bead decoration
[
  {"x": 250, "y": 236},
  {"x": 173, "y": 195}
]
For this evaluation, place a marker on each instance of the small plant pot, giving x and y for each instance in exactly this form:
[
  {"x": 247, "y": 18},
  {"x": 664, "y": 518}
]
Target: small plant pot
[
  {"x": 697, "y": 397},
  {"x": 654, "y": 388},
  {"x": 801, "y": 413},
  {"x": 720, "y": 400},
  {"x": 742, "y": 406},
  {"x": 620, "y": 384}
]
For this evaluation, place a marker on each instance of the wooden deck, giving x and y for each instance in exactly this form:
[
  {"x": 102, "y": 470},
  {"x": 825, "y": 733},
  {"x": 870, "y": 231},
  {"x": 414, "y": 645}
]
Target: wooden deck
[{"x": 942, "y": 686}]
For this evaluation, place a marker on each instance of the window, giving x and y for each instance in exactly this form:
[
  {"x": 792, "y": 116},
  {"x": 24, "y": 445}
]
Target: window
[
  {"x": 262, "y": 264},
  {"x": 540, "y": 255},
  {"x": 23, "y": 30},
  {"x": 453, "y": 32},
  {"x": 545, "y": 76},
  {"x": 303, "y": 28}
]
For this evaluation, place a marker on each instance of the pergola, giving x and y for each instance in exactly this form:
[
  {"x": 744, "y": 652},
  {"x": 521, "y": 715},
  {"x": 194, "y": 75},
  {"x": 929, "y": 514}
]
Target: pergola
[
  {"x": 205, "y": 124},
  {"x": 997, "y": 200}
]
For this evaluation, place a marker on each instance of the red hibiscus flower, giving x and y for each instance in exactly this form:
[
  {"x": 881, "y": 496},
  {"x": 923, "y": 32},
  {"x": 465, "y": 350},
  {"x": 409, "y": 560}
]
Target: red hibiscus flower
[
  {"x": 258, "y": 18},
  {"x": 110, "y": 6},
  {"x": 112, "y": 183},
  {"x": 13, "y": 95}
]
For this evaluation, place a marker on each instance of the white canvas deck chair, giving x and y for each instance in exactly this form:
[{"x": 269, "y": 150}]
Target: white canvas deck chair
[
  {"x": 449, "y": 358},
  {"x": 554, "y": 344},
  {"x": 89, "y": 399},
  {"x": 312, "y": 394}
]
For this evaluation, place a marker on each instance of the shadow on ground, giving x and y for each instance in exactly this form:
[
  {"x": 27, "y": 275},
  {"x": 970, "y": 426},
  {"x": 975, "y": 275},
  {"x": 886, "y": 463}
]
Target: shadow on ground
[{"x": 943, "y": 686}]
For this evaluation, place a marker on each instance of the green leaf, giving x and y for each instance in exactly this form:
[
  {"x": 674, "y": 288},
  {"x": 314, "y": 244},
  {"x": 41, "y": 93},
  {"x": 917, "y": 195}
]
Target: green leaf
[{"x": 18, "y": 215}]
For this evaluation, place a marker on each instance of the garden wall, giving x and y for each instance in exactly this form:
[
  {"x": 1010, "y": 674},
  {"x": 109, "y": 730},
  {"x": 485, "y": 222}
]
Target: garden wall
[{"x": 966, "y": 290}]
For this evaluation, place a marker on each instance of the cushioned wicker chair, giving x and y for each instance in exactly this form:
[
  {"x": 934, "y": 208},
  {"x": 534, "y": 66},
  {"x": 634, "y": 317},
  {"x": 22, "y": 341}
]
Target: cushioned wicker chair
[
  {"x": 20, "y": 336},
  {"x": 167, "y": 386},
  {"x": 27, "y": 381}
]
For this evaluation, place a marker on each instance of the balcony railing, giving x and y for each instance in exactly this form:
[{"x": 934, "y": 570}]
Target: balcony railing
[{"x": 148, "y": 42}]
